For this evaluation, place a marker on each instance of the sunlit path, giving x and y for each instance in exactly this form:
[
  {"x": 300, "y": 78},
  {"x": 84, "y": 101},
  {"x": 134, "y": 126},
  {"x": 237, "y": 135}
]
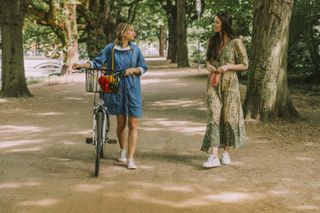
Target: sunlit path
[{"x": 45, "y": 166}]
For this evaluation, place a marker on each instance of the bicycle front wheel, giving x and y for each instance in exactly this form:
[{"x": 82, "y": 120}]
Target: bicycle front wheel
[
  {"x": 107, "y": 124},
  {"x": 99, "y": 141}
]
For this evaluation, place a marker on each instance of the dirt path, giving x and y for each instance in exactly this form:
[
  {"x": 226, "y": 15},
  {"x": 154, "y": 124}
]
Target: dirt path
[{"x": 45, "y": 166}]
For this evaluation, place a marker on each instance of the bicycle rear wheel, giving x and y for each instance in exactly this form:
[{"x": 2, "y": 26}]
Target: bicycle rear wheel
[{"x": 99, "y": 142}]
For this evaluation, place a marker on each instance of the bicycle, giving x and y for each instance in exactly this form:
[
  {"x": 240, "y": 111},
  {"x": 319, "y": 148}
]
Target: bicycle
[{"x": 101, "y": 117}]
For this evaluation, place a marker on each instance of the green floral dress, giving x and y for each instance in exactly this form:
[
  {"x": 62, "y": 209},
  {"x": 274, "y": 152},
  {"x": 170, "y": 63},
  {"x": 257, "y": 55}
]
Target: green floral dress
[{"x": 225, "y": 125}]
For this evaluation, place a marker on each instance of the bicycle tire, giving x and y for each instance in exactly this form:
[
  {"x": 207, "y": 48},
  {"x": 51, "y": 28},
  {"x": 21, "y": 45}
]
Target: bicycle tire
[
  {"x": 106, "y": 134},
  {"x": 99, "y": 142}
]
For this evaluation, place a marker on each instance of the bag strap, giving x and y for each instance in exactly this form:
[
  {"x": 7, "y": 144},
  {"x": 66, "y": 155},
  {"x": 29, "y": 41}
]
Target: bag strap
[{"x": 112, "y": 59}]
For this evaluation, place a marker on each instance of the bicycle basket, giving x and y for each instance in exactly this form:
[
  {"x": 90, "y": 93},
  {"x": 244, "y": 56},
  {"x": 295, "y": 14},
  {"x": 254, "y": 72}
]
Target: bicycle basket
[{"x": 99, "y": 82}]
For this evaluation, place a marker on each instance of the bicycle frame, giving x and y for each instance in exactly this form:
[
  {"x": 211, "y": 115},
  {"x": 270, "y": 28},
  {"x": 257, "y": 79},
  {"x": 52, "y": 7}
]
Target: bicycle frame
[{"x": 99, "y": 107}]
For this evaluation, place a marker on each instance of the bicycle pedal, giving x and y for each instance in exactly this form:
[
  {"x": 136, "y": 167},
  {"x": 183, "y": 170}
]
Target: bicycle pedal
[
  {"x": 89, "y": 141},
  {"x": 112, "y": 141}
]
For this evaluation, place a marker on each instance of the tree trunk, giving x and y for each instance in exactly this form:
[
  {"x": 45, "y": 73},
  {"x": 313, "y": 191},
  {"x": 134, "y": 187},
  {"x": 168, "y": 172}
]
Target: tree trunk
[
  {"x": 71, "y": 50},
  {"x": 162, "y": 41},
  {"x": 13, "y": 76},
  {"x": 172, "y": 49},
  {"x": 182, "y": 48},
  {"x": 98, "y": 29},
  {"x": 268, "y": 96}
]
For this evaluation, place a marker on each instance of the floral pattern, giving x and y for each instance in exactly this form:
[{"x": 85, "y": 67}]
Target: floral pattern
[{"x": 225, "y": 125}]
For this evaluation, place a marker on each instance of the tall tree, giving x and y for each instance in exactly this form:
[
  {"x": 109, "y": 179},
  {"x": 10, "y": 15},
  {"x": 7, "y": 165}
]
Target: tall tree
[
  {"x": 13, "y": 77},
  {"x": 268, "y": 96},
  {"x": 171, "y": 10},
  {"x": 99, "y": 19},
  {"x": 182, "y": 48},
  {"x": 61, "y": 16},
  {"x": 170, "y": 7}
]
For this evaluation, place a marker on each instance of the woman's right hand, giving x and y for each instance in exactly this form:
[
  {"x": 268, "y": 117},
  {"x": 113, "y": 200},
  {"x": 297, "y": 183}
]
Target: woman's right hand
[
  {"x": 76, "y": 66},
  {"x": 211, "y": 68}
]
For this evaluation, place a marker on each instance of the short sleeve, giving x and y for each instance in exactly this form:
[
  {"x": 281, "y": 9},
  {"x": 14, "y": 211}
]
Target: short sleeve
[{"x": 241, "y": 56}]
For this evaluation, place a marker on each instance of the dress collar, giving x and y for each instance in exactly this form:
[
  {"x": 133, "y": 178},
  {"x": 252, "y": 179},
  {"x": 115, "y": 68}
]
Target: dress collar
[{"x": 117, "y": 47}]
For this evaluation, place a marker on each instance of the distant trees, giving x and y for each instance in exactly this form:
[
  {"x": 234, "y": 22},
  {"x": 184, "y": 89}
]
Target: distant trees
[
  {"x": 304, "y": 40},
  {"x": 61, "y": 17},
  {"x": 98, "y": 20}
]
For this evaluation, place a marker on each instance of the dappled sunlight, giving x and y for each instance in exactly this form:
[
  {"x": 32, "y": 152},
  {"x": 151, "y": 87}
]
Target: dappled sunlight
[
  {"x": 73, "y": 98},
  {"x": 2, "y": 100},
  {"x": 83, "y": 132},
  {"x": 88, "y": 187},
  {"x": 308, "y": 159},
  {"x": 15, "y": 185},
  {"x": 59, "y": 159},
  {"x": 232, "y": 197},
  {"x": 7, "y": 144},
  {"x": 162, "y": 81},
  {"x": 146, "y": 167},
  {"x": 237, "y": 163},
  {"x": 19, "y": 129},
  {"x": 47, "y": 113},
  {"x": 178, "y": 103},
  {"x": 279, "y": 192},
  {"x": 31, "y": 149},
  {"x": 306, "y": 207},
  {"x": 164, "y": 124},
  {"x": 182, "y": 196},
  {"x": 68, "y": 143},
  {"x": 43, "y": 202}
]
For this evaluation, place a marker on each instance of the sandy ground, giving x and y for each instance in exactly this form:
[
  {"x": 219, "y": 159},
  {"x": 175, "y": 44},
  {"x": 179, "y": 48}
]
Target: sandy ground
[{"x": 45, "y": 166}]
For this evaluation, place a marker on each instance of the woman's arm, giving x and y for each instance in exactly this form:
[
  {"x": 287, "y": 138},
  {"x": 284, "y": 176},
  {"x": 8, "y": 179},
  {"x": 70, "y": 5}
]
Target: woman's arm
[
  {"x": 241, "y": 58},
  {"x": 141, "y": 66},
  {"x": 210, "y": 67},
  {"x": 234, "y": 67}
]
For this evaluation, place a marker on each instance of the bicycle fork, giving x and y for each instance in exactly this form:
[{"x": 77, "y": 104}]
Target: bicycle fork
[{"x": 94, "y": 125}]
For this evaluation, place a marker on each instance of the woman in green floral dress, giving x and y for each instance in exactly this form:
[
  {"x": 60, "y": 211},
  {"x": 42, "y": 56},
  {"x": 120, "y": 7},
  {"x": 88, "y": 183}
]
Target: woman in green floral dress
[{"x": 226, "y": 55}]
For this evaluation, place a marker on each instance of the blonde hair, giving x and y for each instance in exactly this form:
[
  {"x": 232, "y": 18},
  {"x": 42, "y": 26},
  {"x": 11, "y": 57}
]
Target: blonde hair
[{"x": 120, "y": 31}]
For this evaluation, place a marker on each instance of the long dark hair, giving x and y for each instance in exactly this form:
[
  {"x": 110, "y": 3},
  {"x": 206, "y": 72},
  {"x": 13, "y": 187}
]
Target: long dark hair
[{"x": 216, "y": 40}]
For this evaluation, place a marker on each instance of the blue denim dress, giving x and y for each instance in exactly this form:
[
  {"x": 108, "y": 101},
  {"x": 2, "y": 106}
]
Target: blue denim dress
[{"x": 128, "y": 100}]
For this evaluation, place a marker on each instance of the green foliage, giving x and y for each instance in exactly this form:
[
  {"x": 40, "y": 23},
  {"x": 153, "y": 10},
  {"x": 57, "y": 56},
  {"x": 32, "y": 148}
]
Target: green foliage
[
  {"x": 241, "y": 11},
  {"x": 304, "y": 38},
  {"x": 43, "y": 38},
  {"x": 148, "y": 20}
]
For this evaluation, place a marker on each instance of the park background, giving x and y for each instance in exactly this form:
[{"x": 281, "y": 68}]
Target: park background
[{"x": 45, "y": 113}]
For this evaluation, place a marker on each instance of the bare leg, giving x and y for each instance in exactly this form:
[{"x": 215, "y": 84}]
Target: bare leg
[
  {"x": 121, "y": 125},
  {"x": 132, "y": 136},
  {"x": 214, "y": 151}
]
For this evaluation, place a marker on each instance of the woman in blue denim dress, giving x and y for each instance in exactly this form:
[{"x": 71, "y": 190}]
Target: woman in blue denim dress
[{"x": 126, "y": 104}]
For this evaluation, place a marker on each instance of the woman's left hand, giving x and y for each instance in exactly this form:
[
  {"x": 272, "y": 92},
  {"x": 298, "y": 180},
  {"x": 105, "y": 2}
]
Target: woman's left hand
[
  {"x": 223, "y": 69},
  {"x": 130, "y": 71}
]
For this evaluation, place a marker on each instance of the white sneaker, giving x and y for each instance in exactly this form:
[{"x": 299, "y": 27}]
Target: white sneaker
[
  {"x": 225, "y": 160},
  {"x": 122, "y": 157},
  {"x": 131, "y": 164},
  {"x": 211, "y": 162}
]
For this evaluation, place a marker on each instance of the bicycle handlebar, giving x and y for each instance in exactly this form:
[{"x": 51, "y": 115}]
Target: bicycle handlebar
[{"x": 108, "y": 72}]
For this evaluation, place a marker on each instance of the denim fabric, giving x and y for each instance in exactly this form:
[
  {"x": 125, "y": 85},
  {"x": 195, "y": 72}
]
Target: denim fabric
[{"x": 128, "y": 100}]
